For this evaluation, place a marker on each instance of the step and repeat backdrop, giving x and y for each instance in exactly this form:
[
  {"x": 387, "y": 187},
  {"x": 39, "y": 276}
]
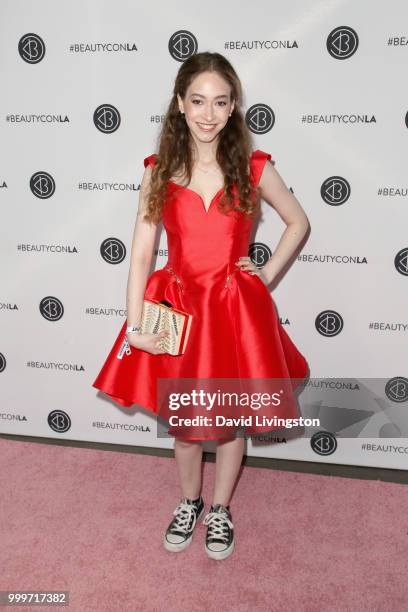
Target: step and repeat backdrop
[{"x": 84, "y": 89}]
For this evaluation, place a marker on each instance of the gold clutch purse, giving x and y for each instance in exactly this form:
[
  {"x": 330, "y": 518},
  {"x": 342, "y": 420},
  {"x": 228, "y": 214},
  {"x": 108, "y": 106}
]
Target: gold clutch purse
[{"x": 158, "y": 316}]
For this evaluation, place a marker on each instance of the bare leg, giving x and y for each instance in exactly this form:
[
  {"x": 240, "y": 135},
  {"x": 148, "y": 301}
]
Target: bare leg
[
  {"x": 188, "y": 456},
  {"x": 228, "y": 461}
]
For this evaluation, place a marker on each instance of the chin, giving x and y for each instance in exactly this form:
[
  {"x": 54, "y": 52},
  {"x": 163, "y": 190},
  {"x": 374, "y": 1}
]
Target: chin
[{"x": 206, "y": 139}]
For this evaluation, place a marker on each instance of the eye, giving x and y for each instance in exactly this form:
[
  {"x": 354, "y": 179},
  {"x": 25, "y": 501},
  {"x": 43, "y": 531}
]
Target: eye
[{"x": 199, "y": 101}]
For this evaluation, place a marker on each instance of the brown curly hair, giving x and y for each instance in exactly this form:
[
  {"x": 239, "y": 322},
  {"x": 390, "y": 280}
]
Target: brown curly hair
[{"x": 234, "y": 145}]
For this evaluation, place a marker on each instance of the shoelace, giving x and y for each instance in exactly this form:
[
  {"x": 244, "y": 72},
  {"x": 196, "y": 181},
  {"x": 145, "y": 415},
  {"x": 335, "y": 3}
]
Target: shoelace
[
  {"x": 217, "y": 525},
  {"x": 183, "y": 514}
]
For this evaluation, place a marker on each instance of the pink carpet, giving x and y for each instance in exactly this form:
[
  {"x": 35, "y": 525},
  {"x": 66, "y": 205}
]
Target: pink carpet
[{"x": 91, "y": 522}]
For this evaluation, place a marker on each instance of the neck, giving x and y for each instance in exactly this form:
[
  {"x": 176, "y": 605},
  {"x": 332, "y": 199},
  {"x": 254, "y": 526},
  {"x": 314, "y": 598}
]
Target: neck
[{"x": 204, "y": 153}]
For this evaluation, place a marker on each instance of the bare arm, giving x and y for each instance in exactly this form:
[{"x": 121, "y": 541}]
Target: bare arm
[
  {"x": 274, "y": 191},
  {"x": 144, "y": 236}
]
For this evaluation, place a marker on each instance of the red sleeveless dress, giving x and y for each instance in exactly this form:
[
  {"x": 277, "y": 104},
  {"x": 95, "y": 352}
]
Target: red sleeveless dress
[{"x": 235, "y": 331}]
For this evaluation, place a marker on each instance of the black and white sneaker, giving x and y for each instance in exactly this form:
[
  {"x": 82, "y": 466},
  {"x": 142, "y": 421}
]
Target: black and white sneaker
[
  {"x": 219, "y": 541},
  {"x": 179, "y": 533}
]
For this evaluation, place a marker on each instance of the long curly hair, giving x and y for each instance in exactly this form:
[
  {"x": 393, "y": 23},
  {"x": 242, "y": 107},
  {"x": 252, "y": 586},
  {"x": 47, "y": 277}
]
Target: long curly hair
[{"x": 233, "y": 150}]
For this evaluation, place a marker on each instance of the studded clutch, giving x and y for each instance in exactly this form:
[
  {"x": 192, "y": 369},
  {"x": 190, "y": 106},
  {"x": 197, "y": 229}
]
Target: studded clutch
[{"x": 158, "y": 316}]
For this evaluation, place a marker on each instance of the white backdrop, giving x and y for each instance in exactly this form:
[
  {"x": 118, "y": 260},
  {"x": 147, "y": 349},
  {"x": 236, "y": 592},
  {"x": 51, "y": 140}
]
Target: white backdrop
[{"x": 84, "y": 89}]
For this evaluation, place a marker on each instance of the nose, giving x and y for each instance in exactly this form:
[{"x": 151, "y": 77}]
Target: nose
[{"x": 209, "y": 114}]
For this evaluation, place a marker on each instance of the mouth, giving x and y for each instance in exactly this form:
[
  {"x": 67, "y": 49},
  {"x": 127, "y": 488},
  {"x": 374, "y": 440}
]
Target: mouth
[{"x": 207, "y": 127}]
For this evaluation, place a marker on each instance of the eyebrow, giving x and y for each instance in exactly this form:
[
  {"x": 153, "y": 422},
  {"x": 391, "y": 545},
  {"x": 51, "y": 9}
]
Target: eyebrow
[{"x": 221, "y": 96}]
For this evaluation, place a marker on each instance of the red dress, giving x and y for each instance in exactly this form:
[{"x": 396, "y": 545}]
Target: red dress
[{"x": 235, "y": 331}]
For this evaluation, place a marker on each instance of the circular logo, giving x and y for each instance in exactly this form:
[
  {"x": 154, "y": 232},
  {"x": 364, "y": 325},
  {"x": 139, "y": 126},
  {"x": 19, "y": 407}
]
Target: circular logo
[
  {"x": 182, "y": 44},
  {"x": 329, "y": 323},
  {"x": 113, "y": 250},
  {"x": 259, "y": 253},
  {"x": 260, "y": 118},
  {"x": 59, "y": 421},
  {"x": 31, "y": 48},
  {"x": 106, "y": 118},
  {"x": 323, "y": 443},
  {"x": 42, "y": 185},
  {"x": 342, "y": 42},
  {"x": 335, "y": 190},
  {"x": 396, "y": 389},
  {"x": 51, "y": 308},
  {"x": 2, "y": 362},
  {"x": 401, "y": 262}
]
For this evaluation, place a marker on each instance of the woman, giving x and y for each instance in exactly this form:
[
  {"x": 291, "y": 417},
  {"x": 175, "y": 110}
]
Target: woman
[{"x": 203, "y": 184}]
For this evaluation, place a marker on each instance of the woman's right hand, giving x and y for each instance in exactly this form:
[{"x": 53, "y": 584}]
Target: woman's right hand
[{"x": 147, "y": 342}]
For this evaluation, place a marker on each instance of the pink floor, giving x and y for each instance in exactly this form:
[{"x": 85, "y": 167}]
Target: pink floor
[{"x": 91, "y": 522}]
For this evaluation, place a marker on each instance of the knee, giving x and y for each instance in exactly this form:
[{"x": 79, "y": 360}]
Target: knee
[{"x": 187, "y": 444}]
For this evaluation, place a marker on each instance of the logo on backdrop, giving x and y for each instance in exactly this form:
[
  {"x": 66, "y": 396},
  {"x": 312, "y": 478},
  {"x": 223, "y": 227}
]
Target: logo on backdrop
[
  {"x": 42, "y": 185},
  {"x": 323, "y": 443},
  {"x": 59, "y": 421},
  {"x": 31, "y": 48},
  {"x": 333, "y": 259},
  {"x": 335, "y": 190},
  {"x": 51, "y": 308},
  {"x": 259, "y": 253},
  {"x": 401, "y": 262},
  {"x": 342, "y": 42},
  {"x": 329, "y": 323},
  {"x": 182, "y": 44},
  {"x": 113, "y": 250},
  {"x": 2, "y": 362},
  {"x": 260, "y": 118},
  {"x": 396, "y": 389},
  {"x": 106, "y": 118}
]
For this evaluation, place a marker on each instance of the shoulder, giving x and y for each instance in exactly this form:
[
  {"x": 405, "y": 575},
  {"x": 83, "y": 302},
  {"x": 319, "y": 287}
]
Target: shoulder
[
  {"x": 259, "y": 155},
  {"x": 150, "y": 160},
  {"x": 258, "y": 161}
]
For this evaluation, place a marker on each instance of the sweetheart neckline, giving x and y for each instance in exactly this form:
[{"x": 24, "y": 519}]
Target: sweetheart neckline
[{"x": 206, "y": 210}]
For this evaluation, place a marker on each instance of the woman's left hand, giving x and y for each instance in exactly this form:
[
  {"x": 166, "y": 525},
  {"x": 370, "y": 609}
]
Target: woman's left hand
[{"x": 246, "y": 264}]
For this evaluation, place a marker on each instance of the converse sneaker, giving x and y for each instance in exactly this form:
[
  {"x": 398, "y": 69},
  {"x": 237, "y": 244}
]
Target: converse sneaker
[
  {"x": 179, "y": 533},
  {"x": 219, "y": 541}
]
